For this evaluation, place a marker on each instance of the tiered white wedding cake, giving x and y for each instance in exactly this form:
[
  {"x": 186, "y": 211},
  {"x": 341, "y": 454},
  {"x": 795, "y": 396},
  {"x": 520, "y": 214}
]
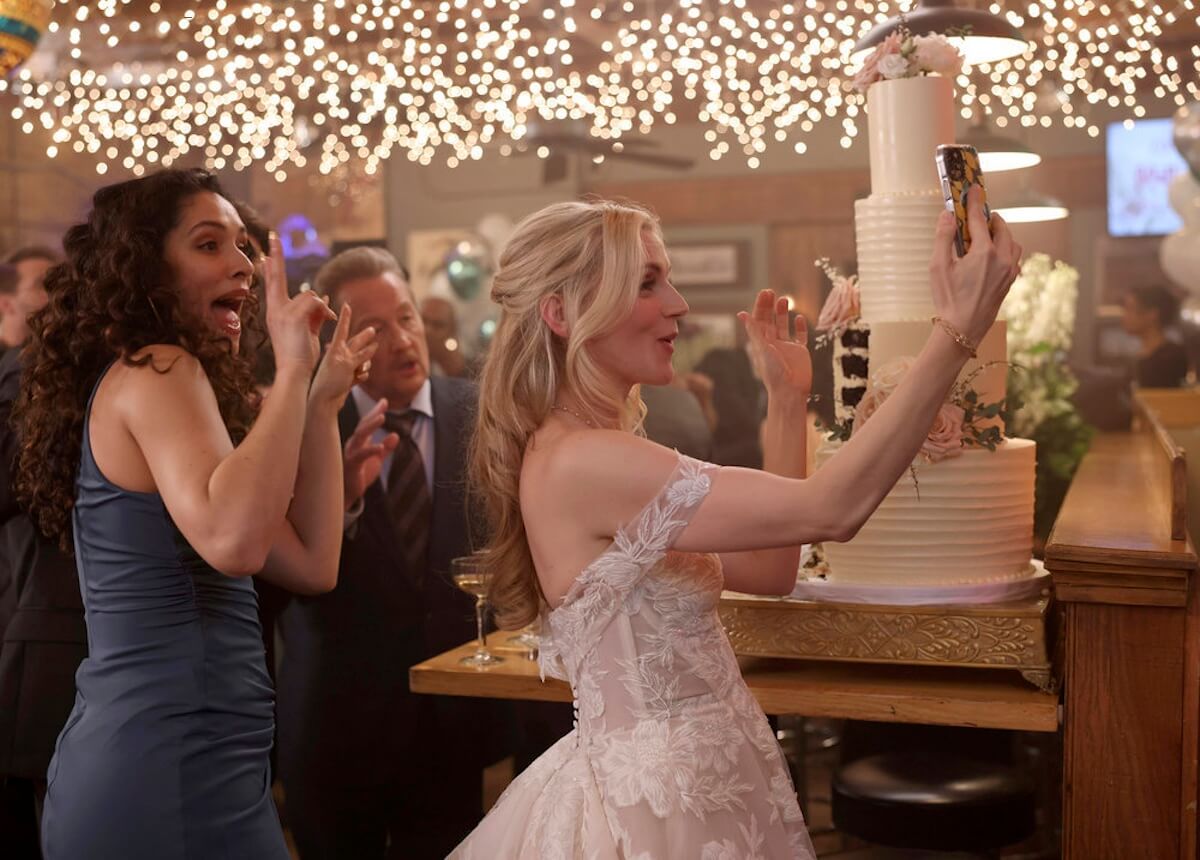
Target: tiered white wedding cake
[{"x": 965, "y": 513}]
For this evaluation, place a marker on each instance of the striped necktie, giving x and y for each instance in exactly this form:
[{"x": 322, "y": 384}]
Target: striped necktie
[{"x": 408, "y": 496}]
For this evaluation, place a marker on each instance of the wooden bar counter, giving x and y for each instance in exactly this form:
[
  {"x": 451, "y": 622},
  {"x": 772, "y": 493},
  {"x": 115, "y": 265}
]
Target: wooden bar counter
[
  {"x": 1124, "y": 575},
  {"x": 859, "y": 691}
]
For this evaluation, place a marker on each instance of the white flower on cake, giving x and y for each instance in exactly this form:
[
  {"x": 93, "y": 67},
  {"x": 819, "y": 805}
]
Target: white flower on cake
[
  {"x": 935, "y": 55},
  {"x": 869, "y": 73},
  {"x": 893, "y": 66},
  {"x": 902, "y": 55}
]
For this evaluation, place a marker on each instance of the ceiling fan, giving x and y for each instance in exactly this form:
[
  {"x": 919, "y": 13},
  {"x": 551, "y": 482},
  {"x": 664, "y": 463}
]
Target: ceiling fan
[{"x": 557, "y": 142}]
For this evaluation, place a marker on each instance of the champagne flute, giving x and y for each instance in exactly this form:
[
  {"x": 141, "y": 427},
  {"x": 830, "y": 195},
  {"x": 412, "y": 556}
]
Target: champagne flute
[
  {"x": 472, "y": 577},
  {"x": 527, "y": 639}
]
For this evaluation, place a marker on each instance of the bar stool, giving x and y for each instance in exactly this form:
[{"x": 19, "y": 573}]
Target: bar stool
[{"x": 934, "y": 800}]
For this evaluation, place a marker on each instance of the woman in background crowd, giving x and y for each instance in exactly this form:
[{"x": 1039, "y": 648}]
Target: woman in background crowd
[{"x": 1150, "y": 312}]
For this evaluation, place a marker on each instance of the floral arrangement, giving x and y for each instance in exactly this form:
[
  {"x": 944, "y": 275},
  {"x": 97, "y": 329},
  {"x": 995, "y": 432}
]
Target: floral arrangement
[
  {"x": 842, "y": 307},
  {"x": 962, "y": 421},
  {"x": 903, "y": 55},
  {"x": 1040, "y": 311}
]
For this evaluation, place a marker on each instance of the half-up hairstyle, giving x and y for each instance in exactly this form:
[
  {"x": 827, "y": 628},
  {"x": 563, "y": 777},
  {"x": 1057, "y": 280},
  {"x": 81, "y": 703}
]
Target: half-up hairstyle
[
  {"x": 590, "y": 254},
  {"x": 113, "y": 295}
]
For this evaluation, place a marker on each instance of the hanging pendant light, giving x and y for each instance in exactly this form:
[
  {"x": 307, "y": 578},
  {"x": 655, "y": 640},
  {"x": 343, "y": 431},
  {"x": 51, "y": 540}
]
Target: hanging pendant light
[
  {"x": 1028, "y": 206},
  {"x": 998, "y": 153},
  {"x": 986, "y": 38}
]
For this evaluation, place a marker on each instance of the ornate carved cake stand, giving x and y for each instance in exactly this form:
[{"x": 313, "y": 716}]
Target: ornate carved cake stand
[{"x": 1014, "y": 634}]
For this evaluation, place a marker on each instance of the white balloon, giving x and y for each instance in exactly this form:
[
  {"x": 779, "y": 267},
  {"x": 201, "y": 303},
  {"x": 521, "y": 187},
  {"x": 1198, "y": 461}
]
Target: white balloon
[
  {"x": 1187, "y": 135},
  {"x": 439, "y": 285},
  {"x": 1179, "y": 254},
  {"x": 1184, "y": 194},
  {"x": 495, "y": 228}
]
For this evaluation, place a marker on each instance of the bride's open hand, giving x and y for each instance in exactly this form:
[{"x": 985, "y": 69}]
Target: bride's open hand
[{"x": 781, "y": 360}]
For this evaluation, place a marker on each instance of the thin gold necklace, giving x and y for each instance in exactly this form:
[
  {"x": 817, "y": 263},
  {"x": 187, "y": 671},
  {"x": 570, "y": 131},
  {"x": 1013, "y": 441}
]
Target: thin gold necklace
[{"x": 582, "y": 418}]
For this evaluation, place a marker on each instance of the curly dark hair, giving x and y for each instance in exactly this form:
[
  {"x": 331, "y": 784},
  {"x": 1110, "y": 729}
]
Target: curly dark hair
[{"x": 110, "y": 297}]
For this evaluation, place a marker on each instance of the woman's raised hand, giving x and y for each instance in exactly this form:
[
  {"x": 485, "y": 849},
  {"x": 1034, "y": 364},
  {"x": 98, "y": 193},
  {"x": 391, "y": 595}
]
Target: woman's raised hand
[
  {"x": 347, "y": 360},
  {"x": 968, "y": 290},
  {"x": 293, "y": 323},
  {"x": 781, "y": 361}
]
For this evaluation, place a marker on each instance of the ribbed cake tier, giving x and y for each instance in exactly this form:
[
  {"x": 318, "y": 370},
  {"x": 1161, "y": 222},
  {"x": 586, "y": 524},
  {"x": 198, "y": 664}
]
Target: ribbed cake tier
[
  {"x": 988, "y": 371},
  {"x": 894, "y": 234},
  {"x": 972, "y": 523}
]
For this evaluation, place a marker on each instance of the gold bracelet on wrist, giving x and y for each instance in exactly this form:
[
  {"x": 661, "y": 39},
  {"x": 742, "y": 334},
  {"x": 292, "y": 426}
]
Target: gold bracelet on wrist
[{"x": 957, "y": 336}]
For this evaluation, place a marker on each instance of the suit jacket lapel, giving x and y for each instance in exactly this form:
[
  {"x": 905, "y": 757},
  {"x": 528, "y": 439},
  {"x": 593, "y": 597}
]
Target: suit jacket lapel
[
  {"x": 375, "y": 517},
  {"x": 348, "y": 418},
  {"x": 444, "y": 423}
]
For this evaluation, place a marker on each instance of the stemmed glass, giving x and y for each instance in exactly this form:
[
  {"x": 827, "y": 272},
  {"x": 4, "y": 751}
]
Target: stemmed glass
[
  {"x": 527, "y": 639},
  {"x": 471, "y": 576}
]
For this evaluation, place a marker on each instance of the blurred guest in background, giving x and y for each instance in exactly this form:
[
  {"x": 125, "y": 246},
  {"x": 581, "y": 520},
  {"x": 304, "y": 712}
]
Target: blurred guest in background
[
  {"x": 681, "y": 415},
  {"x": 258, "y": 237},
  {"x": 441, "y": 333},
  {"x": 1150, "y": 314},
  {"x": 22, "y": 291},
  {"x": 42, "y": 632},
  {"x": 738, "y": 398}
]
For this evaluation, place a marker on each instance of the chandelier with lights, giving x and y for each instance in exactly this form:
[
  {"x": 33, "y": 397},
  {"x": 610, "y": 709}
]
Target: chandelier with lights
[{"x": 283, "y": 82}]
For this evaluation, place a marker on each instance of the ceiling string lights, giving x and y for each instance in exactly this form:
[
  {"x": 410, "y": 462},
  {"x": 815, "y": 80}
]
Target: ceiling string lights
[{"x": 284, "y": 83}]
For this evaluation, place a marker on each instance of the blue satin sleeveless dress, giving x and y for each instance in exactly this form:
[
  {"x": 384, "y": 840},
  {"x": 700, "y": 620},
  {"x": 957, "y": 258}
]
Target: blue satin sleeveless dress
[{"x": 165, "y": 755}]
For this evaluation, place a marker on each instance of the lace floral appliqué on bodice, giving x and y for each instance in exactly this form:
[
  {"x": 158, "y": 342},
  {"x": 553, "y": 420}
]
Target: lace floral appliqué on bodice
[{"x": 671, "y": 756}]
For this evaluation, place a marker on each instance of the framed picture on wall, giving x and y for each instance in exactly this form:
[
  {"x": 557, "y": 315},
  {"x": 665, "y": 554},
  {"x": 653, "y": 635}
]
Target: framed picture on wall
[{"x": 723, "y": 264}]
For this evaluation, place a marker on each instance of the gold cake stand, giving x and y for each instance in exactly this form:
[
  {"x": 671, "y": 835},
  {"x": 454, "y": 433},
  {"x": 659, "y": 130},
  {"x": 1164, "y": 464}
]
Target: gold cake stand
[{"x": 1016, "y": 635}]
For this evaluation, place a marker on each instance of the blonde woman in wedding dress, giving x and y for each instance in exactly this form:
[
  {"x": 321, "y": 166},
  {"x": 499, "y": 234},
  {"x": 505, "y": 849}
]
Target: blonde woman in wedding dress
[{"x": 622, "y": 546}]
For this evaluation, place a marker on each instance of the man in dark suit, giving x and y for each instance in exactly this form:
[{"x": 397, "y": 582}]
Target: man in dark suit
[
  {"x": 369, "y": 769},
  {"x": 43, "y": 637}
]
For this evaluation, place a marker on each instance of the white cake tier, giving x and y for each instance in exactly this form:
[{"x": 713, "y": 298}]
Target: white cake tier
[
  {"x": 908, "y": 119},
  {"x": 894, "y": 234},
  {"x": 892, "y": 340},
  {"x": 973, "y": 523}
]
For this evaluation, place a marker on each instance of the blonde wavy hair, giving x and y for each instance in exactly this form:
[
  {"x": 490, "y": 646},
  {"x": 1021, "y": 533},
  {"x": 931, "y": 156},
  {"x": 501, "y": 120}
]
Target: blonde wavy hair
[{"x": 590, "y": 255}]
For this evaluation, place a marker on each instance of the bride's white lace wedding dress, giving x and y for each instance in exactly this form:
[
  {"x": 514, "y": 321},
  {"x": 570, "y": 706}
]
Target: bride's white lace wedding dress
[{"x": 671, "y": 756}]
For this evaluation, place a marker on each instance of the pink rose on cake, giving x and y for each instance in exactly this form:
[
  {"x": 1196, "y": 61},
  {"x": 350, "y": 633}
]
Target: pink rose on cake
[
  {"x": 935, "y": 55},
  {"x": 945, "y": 438},
  {"x": 903, "y": 55},
  {"x": 869, "y": 73},
  {"x": 842, "y": 306}
]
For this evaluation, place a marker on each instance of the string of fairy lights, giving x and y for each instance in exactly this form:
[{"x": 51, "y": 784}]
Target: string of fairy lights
[{"x": 285, "y": 82}]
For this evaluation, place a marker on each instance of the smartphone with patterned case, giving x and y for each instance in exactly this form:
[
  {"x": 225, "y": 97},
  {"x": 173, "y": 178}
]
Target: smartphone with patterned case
[{"x": 958, "y": 169}]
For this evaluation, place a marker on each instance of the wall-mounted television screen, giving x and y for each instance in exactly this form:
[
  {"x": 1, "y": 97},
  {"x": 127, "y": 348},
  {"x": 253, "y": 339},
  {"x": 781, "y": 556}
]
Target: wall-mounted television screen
[{"x": 1142, "y": 161}]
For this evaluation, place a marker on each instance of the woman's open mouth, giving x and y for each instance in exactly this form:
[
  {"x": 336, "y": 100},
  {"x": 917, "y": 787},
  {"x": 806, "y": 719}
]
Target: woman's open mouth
[{"x": 227, "y": 311}]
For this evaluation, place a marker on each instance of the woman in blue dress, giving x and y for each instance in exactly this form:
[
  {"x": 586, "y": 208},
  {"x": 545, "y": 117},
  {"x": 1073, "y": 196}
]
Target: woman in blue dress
[{"x": 146, "y": 450}]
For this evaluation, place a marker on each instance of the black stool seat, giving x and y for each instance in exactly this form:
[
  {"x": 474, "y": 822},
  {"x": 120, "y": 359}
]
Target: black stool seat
[{"x": 932, "y": 801}]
